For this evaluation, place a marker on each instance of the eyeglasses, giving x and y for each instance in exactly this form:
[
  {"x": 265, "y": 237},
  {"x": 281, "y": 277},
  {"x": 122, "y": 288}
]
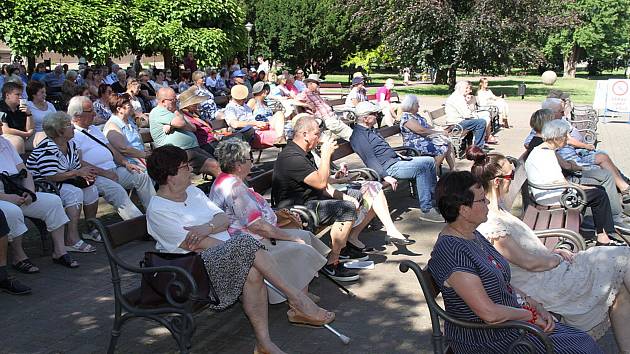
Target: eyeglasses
[
  {"x": 484, "y": 199},
  {"x": 185, "y": 166},
  {"x": 509, "y": 177}
]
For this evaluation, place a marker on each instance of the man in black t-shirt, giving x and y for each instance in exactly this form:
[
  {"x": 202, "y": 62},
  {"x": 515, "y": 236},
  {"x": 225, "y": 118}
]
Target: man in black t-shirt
[{"x": 298, "y": 180}]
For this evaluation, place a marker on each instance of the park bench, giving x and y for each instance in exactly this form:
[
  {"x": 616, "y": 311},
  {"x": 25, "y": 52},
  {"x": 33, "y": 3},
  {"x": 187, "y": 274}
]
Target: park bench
[
  {"x": 460, "y": 137},
  {"x": 174, "y": 314},
  {"x": 331, "y": 89},
  {"x": 557, "y": 226},
  {"x": 431, "y": 291}
]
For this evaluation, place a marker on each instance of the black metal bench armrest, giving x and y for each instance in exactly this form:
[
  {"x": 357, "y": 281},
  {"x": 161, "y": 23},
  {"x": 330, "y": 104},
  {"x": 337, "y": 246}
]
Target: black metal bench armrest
[
  {"x": 430, "y": 294},
  {"x": 408, "y": 151},
  {"x": 189, "y": 281},
  {"x": 307, "y": 215},
  {"x": 574, "y": 196}
]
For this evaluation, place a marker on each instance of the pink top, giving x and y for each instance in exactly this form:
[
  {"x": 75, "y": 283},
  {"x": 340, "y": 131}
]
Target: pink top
[
  {"x": 383, "y": 90},
  {"x": 242, "y": 204}
]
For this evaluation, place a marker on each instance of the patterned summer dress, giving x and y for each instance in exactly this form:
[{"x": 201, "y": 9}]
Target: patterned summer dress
[
  {"x": 582, "y": 291},
  {"x": 453, "y": 254},
  {"x": 426, "y": 145}
]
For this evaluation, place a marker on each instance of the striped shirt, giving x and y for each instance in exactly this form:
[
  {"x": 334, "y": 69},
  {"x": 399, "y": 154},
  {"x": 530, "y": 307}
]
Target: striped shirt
[
  {"x": 478, "y": 257},
  {"x": 47, "y": 160}
]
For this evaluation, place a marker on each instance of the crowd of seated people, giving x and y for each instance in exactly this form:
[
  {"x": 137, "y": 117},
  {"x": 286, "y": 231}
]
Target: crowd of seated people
[{"x": 236, "y": 230}]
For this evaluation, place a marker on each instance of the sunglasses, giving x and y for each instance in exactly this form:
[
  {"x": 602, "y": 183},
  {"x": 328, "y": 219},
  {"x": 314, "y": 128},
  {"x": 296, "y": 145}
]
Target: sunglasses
[{"x": 509, "y": 177}]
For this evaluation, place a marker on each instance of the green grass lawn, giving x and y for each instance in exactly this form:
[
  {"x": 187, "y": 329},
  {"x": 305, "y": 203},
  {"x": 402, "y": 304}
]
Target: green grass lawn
[{"x": 582, "y": 88}]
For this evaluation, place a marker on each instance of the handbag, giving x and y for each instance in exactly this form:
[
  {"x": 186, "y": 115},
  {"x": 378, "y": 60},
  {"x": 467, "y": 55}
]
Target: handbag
[
  {"x": 287, "y": 220},
  {"x": 154, "y": 286},
  {"x": 14, "y": 184},
  {"x": 78, "y": 182}
]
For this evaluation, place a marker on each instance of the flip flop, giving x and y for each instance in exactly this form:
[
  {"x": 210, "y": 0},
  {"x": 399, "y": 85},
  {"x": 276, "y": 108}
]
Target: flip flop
[
  {"x": 26, "y": 266},
  {"x": 66, "y": 261},
  {"x": 81, "y": 247}
]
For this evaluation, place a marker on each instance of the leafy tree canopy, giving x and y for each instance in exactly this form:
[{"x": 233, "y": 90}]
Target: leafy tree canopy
[{"x": 305, "y": 33}]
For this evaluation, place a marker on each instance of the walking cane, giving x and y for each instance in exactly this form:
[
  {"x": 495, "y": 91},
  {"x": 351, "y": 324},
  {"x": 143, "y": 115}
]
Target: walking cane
[{"x": 344, "y": 339}]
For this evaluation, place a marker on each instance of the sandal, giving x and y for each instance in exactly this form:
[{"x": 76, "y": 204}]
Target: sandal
[
  {"x": 26, "y": 266},
  {"x": 297, "y": 317},
  {"x": 66, "y": 261},
  {"x": 93, "y": 235},
  {"x": 612, "y": 242},
  {"x": 81, "y": 247}
]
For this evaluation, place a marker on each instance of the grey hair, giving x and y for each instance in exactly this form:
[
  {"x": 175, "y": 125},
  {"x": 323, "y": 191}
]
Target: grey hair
[
  {"x": 120, "y": 72},
  {"x": 304, "y": 124},
  {"x": 71, "y": 74},
  {"x": 539, "y": 118},
  {"x": 197, "y": 75},
  {"x": 55, "y": 122},
  {"x": 75, "y": 105},
  {"x": 461, "y": 84},
  {"x": 555, "y": 129},
  {"x": 231, "y": 152},
  {"x": 410, "y": 103},
  {"x": 552, "y": 104}
]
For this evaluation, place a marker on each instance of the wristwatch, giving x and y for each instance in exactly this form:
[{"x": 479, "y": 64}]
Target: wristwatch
[{"x": 210, "y": 227}]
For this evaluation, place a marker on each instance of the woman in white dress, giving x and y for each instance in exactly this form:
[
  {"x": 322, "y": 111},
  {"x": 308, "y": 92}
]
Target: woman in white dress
[
  {"x": 589, "y": 289},
  {"x": 485, "y": 97}
]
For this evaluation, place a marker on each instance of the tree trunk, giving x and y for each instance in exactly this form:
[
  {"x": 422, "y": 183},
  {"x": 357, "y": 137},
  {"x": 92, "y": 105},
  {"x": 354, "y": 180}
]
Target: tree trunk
[
  {"x": 441, "y": 77},
  {"x": 452, "y": 77},
  {"x": 168, "y": 59},
  {"x": 570, "y": 62},
  {"x": 30, "y": 67}
]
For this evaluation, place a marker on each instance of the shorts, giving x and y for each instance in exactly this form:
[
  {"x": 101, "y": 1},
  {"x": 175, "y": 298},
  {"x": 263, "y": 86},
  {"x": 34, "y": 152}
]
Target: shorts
[
  {"x": 197, "y": 157},
  {"x": 330, "y": 211}
]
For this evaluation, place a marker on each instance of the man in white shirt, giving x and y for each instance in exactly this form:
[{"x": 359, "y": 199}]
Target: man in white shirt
[
  {"x": 114, "y": 172},
  {"x": 457, "y": 112}
]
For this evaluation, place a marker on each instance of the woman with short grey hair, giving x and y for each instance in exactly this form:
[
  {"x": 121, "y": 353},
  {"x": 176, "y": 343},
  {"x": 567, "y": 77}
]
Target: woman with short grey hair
[
  {"x": 298, "y": 253},
  {"x": 58, "y": 160},
  {"x": 420, "y": 135},
  {"x": 542, "y": 168}
]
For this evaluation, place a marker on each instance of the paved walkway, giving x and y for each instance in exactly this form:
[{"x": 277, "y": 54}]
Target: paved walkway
[{"x": 70, "y": 311}]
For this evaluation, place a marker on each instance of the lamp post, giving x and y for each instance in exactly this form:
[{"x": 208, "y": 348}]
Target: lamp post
[{"x": 248, "y": 27}]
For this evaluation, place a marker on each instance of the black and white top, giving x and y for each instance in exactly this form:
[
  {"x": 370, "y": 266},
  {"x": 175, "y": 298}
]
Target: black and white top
[{"x": 47, "y": 160}]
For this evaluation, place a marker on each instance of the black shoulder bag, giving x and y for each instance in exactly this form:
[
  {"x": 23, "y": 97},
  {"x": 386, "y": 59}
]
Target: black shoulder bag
[
  {"x": 14, "y": 184},
  {"x": 154, "y": 286}
]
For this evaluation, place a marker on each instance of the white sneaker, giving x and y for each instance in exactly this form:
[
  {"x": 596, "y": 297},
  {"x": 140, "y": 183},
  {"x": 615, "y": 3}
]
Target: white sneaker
[{"x": 431, "y": 216}]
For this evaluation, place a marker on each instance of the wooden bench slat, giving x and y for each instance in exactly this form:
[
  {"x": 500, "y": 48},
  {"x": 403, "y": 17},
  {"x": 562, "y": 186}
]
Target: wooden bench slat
[
  {"x": 557, "y": 219},
  {"x": 542, "y": 223},
  {"x": 573, "y": 220},
  {"x": 126, "y": 231},
  {"x": 531, "y": 214}
]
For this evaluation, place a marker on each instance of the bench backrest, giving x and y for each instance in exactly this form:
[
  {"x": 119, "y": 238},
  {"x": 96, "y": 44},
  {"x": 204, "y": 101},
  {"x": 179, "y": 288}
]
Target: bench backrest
[
  {"x": 262, "y": 182},
  {"x": 123, "y": 232},
  {"x": 336, "y": 102},
  {"x": 437, "y": 114},
  {"x": 330, "y": 85}
]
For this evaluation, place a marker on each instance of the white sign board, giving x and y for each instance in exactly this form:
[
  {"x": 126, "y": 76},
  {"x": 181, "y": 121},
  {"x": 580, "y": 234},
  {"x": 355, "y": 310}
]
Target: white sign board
[{"x": 618, "y": 96}]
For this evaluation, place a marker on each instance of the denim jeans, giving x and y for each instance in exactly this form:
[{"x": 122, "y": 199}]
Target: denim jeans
[
  {"x": 422, "y": 169},
  {"x": 478, "y": 126}
]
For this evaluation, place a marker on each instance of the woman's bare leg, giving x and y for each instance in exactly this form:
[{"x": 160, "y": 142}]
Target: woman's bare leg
[
  {"x": 269, "y": 270},
  {"x": 381, "y": 209},
  {"x": 605, "y": 162},
  {"x": 354, "y": 234},
  {"x": 17, "y": 249},
  {"x": 620, "y": 316},
  {"x": 255, "y": 306},
  {"x": 438, "y": 163},
  {"x": 72, "y": 227}
]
